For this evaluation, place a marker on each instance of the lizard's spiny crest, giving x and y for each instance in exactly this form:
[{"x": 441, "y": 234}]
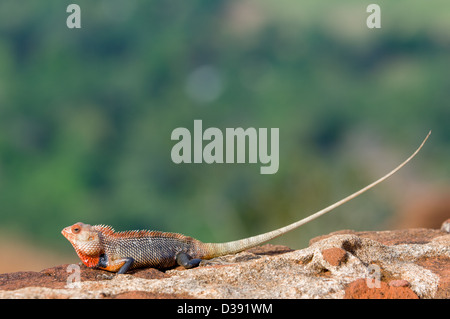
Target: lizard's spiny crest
[{"x": 109, "y": 231}]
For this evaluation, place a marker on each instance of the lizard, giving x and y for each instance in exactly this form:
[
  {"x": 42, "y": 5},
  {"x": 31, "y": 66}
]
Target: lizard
[{"x": 101, "y": 247}]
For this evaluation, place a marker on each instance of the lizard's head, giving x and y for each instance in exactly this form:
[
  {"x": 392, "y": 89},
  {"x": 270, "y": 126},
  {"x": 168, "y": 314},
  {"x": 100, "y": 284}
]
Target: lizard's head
[{"x": 85, "y": 239}]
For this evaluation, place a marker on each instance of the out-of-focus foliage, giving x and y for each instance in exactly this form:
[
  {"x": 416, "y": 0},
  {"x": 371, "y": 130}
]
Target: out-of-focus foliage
[{"x": 86, "y": 114}]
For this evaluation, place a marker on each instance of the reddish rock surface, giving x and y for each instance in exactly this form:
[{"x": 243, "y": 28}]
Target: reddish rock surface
[
  {"x": 56, "y": 277},
  {"x": 399, "y": 283},
  {"x": 391, "y": 237},
  {"x": 438, "y": 265},
  {"x": 338, "y": 255},
  {"x": 441, "y": 267},
  {"x": 335, "y": 256},
  {"x": 359, "y": 289}
]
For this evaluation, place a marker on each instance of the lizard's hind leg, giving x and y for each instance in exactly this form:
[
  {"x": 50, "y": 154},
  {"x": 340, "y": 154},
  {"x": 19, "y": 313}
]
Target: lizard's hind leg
[{"x": 187, "y": 261}]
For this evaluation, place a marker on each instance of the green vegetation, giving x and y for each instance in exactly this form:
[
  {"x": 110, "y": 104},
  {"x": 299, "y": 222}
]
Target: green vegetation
[{"x": 86, "y": 115}]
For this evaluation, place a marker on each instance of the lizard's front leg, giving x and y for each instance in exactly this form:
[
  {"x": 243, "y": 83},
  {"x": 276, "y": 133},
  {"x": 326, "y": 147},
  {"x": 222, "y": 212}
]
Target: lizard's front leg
[
  {"x": 120, "y": 266},
  {"x": 126, "y": 265}
]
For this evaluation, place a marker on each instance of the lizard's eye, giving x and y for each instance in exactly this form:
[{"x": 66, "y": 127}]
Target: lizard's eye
[{"x": 75, "y": 229}]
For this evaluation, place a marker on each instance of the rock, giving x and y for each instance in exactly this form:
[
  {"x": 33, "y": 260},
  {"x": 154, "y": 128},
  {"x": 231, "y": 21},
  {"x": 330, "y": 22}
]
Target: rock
[
  {"x": 446, "y": 226},
  {"x": 387, "y": 237},
  {"x": 359, "y": 289},
  {"x": 334, "y": 256},
  {"x": 412, "y": 263},
  {"x": 399, "y": 283}
]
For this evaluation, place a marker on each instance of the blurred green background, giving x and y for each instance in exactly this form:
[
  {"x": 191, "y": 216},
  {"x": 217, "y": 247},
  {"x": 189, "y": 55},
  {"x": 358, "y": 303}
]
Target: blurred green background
[{"x": 86, "y": 116}]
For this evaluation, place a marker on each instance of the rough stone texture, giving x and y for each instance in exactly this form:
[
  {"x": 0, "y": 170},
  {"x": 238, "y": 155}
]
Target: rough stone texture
[
  {"x": 412, "y": 263},
  {"x": 446, "y": 226},
  {"x": 334, "y": 256},
  {"x": 399, "y": 283},
  {"x": 360, "y": 290}
]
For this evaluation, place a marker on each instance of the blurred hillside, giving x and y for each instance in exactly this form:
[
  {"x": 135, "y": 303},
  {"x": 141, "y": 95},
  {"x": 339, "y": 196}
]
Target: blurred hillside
[{"x": 86, "y": 114}]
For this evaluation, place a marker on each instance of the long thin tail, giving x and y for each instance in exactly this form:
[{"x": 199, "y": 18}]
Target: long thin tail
[{"x": 232, "y": 247}]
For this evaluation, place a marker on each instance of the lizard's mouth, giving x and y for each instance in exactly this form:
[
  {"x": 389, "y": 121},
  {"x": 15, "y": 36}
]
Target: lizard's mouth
[{"x": 65, "y": 232}]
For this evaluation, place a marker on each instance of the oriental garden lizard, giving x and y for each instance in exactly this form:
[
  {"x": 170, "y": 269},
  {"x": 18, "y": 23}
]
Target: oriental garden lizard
[{"x": 101, "y": 247}]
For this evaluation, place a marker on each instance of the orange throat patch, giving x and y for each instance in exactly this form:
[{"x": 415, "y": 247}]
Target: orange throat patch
[{"x": 90, "y": 261}]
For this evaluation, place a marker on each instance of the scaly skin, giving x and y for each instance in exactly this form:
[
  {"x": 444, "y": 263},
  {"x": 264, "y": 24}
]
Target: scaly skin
[{"x": 101, "y": 247}]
